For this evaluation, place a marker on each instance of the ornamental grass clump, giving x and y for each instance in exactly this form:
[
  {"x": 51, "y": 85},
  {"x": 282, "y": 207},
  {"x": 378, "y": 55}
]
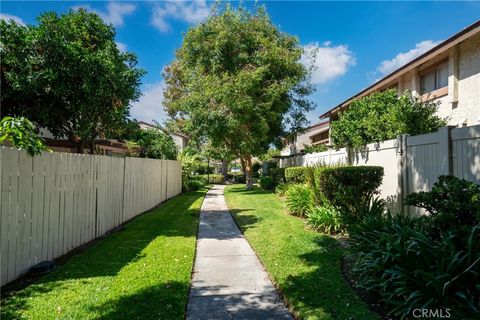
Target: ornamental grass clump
[{"x": 299, "y": 199}]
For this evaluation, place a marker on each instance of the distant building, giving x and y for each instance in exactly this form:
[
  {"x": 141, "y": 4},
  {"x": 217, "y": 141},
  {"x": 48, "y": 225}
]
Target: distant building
[
  {"x": 313, "y": 135},
  {"x": 448, "y": 73},
  {"x": 180, "y": 140}
]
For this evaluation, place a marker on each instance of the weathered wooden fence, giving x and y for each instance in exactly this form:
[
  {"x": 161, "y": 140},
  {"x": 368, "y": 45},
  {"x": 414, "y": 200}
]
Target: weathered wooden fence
[
  {"x": 411, "y": 163},
  {"x": 55, "y": 202}
]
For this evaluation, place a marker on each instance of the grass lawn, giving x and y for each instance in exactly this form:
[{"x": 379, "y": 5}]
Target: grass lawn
[
  {"x": 304, "y": 264},
  {"x": 141, "y": 272}
]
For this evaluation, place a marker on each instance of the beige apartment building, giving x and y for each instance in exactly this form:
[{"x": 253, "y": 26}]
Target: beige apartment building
[
  {"x": 313, "y": 135},
  {"x": 448, "y": 73}
]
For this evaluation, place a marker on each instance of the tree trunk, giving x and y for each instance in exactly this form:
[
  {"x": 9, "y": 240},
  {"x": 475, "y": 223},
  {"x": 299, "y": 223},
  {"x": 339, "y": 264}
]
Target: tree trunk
[
  {"x": 80, "y": 146},
  {"x": 92, "y": 147},
  {"x": 248, "y": 172},
  {"x": 225, "y": 170}
]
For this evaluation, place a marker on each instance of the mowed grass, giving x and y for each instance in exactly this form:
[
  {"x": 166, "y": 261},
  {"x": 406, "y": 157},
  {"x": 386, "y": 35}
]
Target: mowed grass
[
  {"x": 304, "y": 264},
  {"x": 142, "y": 272}
]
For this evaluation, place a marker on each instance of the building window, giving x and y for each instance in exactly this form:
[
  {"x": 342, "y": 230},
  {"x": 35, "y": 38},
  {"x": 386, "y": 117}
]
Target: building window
[{"x": 434, "y": 79}]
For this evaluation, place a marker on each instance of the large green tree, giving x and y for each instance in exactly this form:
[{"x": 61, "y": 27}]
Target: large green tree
[
  {"x": 67, "y": 74},
  {"x": 382, "y": 116},
  {"x": 237, "y": 80}
]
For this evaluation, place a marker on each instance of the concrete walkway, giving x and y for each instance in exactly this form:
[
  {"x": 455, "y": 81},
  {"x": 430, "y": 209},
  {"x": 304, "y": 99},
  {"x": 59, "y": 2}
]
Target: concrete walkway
[{"x": 228, "y": 280}]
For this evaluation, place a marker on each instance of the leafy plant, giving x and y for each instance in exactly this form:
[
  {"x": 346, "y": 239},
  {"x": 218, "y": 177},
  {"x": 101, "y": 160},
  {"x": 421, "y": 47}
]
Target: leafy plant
[
  {"x": 21, "y": 133},
  {"x": 384, "y": 115},
  {"x": 410, "y": 270},
  {"x": 325, "y": 218},
  {"x": 350, "y": 188},
  {"x": 157, "y": 144},
  {"x": 315, "y": 148},
  {"x": 296, "y": 174},
  {"x": 299, "y": 199},
  {"x": 453, "y": 204},
  {"x": 266, "y": 182},
  {"x": 281, "y": 189}
]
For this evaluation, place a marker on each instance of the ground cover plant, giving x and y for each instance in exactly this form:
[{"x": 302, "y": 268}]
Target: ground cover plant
[
  {"x": 141, "y": 272},
  {"x": 304, "y": 264}
]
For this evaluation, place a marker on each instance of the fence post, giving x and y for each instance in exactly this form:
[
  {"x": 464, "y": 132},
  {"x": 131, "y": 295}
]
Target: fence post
[
  {"x": 445, "y": 151},
  {"x": 402, "y": 170}
]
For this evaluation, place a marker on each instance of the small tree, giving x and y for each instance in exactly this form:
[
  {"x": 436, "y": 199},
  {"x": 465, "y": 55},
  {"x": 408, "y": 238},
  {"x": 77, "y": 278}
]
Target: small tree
[
  {"x": 157, "y": 144},
  {"x": 382, "y": 116},
  {"x": 237, "y": 80},
  {"x": 67, "y": 74}
]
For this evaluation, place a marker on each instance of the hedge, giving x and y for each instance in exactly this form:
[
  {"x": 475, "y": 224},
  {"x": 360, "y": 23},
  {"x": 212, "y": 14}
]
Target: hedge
[
  {"x": 296, "y": 174},
  {"x": 350, "y": 188}
]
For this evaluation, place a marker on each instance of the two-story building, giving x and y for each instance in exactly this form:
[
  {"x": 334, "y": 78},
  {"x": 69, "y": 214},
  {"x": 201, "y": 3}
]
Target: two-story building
[
  {"x": 313, "y": 135},
  {"x": 448, "y": 73},
  {"x": 180, "y": 140}
]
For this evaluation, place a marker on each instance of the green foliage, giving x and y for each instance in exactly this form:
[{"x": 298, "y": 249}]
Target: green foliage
[
  {"x": 212, "y": 178},
  {"x": 409, "y": 270},
  {"x": 381, "y": 116},
  {"x": 299, "y": 199},
  {"x": 315, "y": 148},
  {"x": 66, "y": 74},
  {"x": 281, "y": 189},
  {"x": 194, "y": 183},
  {"x": 21, "y": 133},
  {"x": 325, "y": 219},
  {"x": 272, "y": 177},
  {"x": 237, "y": 81},
  {"x": 269, "y": 154},
  {"x": 157, "y": 145},
  {"x": 266, "y": 182},
  {"x": 236, "y": 177},
  {"x": 350, "y": 188},
  {"x": 453, "y": 204},
  {"x": 296, "y": 174}
]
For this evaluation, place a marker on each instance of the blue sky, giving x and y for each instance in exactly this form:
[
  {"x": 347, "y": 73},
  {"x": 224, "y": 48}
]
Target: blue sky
[{"x": 357, "y": 42}]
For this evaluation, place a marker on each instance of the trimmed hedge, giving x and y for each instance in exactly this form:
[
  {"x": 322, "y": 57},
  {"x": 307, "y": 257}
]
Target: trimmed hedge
[
  {"x": 296, "y": 174},
  {"x": 350, "y": 188}
]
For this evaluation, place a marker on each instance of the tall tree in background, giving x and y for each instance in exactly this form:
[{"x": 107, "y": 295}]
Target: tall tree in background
[
  {"x": 237, "y": 80},
  {"x": 67, "y": 74},
  {"x": 382, "y": 116}
]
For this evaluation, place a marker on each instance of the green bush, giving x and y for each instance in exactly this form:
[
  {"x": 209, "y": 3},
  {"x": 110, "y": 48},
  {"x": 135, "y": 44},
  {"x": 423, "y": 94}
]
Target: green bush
[
  {"x": 350, "y": 188},
  {"x": 299, "y": 199},
  {"x": 316, "y": 148},
  {"x": 194, "y": 183},
  {"x": 281, "y": 189},
  {"x": 236, "y": 177},
  {"x": 256, "y": 168},
  {"x": 212, "y": 178},
  {"x": 296, "y": 175},
  {"x": 453, "y": 204},
  {"x": 410, "y": 270},
  {"x": 325, "y": 219},
  {"x": 266, "y": 182}
]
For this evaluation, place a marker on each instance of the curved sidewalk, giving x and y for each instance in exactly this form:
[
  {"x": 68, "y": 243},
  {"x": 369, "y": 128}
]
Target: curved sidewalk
[{"x": 228, "y": 280}]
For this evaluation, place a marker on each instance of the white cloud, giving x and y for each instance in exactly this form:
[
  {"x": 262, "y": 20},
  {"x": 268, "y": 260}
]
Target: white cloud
[
  {"x": 149, "y": 107},
  {"x": 121, "y": 46},
  {"x": 388, "y": 66},
  {"x": 115, "y": 14},
  {"x": 190, "y": 12},
  {"x": 326, "y": 62},
  {"x": 8, "y": 17}
]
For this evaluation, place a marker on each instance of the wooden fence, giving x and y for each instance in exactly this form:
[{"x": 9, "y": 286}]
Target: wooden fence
[
  {"x": 55, "y": 202},
  {"x": 411, "y": 163}
]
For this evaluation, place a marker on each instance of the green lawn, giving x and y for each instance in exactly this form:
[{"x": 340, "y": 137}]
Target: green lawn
[
  {"x": 142, "y": 272},
  {"x": 304, "y": 264}
]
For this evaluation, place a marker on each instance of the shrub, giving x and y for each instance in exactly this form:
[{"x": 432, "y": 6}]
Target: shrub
[
  {"x": 212, "y": 178},
  {"x": 296, "y": 175},
  {"x": 453, "y": 204},
  {"x": 316, "y": 148},
  {"x": 194, "y": 183},
  {"x": 236, "y": 177},
  {"x": 410, "y": 270},
  {"x": 350, "y": 188},
  {"x": 299, "y": 199},
  {"x": 325, "y": 218},
  {"x": 256, "y": 168},
  {"x": 281, "y": 189},
  {"x": 267, "y": 182}
]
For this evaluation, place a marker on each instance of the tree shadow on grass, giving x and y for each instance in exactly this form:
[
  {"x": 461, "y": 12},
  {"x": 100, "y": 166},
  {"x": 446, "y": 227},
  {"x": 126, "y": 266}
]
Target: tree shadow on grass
[
  {"x": 254, "y": 191},
  {"x": 324, "y": 290},
  {"x": 106, "y": 257}
]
